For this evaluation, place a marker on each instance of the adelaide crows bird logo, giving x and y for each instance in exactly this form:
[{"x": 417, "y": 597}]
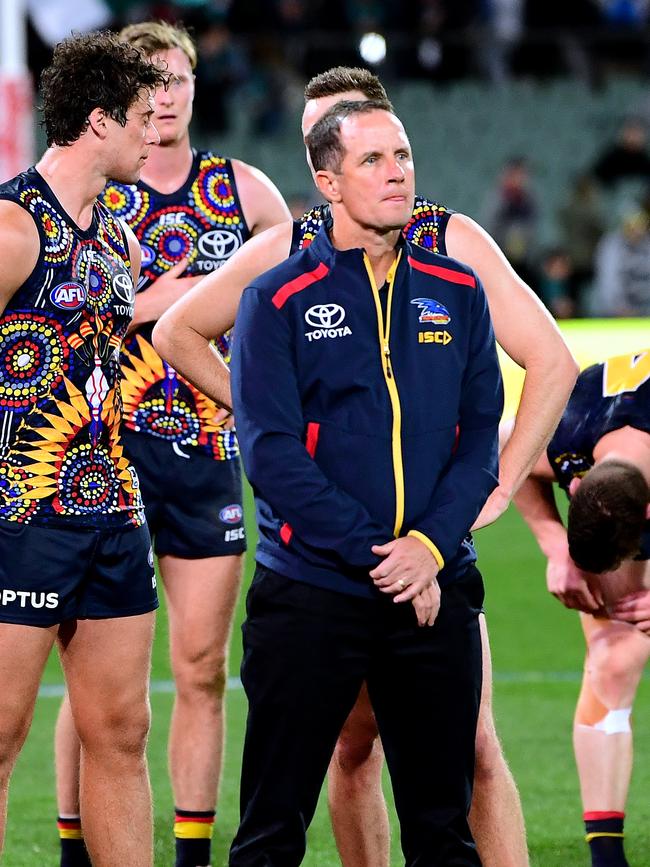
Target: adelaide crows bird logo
[{"x": 432, "y": 311}]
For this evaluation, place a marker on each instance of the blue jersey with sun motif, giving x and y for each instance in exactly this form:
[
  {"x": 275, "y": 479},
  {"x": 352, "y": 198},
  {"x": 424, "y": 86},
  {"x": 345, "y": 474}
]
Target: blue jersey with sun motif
[
  {"x": 426, "y": 228},
  {"x": 606, "y": 397},
  {"x": 61, "y": 460},
  {"x": 203, "y": 222}
]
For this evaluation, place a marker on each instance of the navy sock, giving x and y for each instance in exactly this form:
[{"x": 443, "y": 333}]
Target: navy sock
[
  {"x": 73, "y": 847},
  {"x": 604, "y": 833},
  {"x": 193, "y": 832}
]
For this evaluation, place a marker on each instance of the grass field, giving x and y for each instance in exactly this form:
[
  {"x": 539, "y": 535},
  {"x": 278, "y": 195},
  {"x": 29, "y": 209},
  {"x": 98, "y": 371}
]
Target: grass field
[{"x": 537, "y": 651}]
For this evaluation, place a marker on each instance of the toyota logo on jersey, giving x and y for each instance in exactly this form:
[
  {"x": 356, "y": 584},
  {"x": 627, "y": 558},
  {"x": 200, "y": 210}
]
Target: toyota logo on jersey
[
  {"x": 123, "y": 286},
  {"x": 219, "y": 244}
]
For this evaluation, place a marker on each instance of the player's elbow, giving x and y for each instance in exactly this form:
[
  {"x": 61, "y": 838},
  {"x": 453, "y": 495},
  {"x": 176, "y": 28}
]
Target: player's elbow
[
  {"x": 551, "y": 362},
  {"x": 563, "y": 372},
  {"x": 164, "y": 336}
]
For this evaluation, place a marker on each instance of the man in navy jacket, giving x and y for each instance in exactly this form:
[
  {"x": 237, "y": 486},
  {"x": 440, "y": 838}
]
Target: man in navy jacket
[{"x": 367, "y": 395}]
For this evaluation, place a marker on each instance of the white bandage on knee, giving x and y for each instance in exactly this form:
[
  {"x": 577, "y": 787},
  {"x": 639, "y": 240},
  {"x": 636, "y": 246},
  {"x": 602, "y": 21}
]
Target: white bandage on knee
[{"x": 615, "y": 722}]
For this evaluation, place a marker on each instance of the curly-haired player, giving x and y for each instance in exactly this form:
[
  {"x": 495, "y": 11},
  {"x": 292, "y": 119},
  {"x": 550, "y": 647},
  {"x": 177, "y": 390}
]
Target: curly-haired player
[
  {"x": 190, "y": 211},
  {"x": 600, "y": 455},
  {"x": 76, "y": 566}
]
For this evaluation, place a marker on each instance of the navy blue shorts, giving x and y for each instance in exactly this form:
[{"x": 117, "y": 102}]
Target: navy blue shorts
[
  {"x": 194, "y": 504},
  {"x": 52, "y": 574}
]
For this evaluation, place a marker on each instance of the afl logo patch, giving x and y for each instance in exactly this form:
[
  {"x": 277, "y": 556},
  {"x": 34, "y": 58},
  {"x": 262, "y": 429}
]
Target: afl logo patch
[
  {"x": 219, "y": 244},
  {"x": 68, "y": 296},
  {"x": 123, "y": 286},
  {"x": 432, "y": 311},
  {"x": 148, "y": 256},
  {"x": 231, "y": 514}
]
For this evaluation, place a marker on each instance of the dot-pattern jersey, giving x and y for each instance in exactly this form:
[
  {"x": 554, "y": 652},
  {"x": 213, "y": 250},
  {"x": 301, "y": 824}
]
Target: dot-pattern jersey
[
  {"x": 61, "y": 459},
  {"x": 426, "y": 228},
  {"x": 203, "y": 222}
]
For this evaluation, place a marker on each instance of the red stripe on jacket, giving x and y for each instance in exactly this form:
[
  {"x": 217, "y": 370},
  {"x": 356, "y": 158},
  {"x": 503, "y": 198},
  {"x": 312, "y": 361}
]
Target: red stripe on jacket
[
  {"x": 311, "y": 443},
  {"x": 298, "y": 284},
  {"x": 444, "y": 273}
]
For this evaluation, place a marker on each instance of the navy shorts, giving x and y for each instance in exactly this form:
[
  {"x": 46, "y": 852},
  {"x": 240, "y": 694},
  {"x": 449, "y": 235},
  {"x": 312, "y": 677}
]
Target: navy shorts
[
  {"x": 194, "y": 504},
  {"x": 52, "y": 574}
]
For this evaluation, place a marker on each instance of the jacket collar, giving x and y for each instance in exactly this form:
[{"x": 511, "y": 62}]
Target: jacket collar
[{"x": 326, "y": 252}]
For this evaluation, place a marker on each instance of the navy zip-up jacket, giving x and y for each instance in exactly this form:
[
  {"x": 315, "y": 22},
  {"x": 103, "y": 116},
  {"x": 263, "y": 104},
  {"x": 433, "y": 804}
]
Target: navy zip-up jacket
[{"x": 360, "y": 418}]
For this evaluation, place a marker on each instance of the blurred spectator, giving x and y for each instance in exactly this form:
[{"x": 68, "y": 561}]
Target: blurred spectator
[
  {"x": 221, "y": 68},
  {"x": 512, "y": 216},
  {"x": 627, "y": 158},
  {"x": 582, "y": 221},
  {"x": 622, "y": 286},
  {"x": 554, "y": 284},
  {"x": 501, "y": 28},
  {"x": 270, "y": 81},
  {"x": 629, "y": 14}
]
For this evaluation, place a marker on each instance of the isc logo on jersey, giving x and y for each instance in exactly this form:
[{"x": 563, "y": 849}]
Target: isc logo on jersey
[
  {"x": 326, "y": 320},
  {"x": 231, "y": 514},
  {"x": 68, "y": 296}
]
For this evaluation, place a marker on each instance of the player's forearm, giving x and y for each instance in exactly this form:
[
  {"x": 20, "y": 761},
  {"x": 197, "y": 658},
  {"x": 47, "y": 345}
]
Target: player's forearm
[
  {"x": 536, "y": 503},
  {"x": 547, "y": 387},
  {"x": 192, "y": 355},
  {"x": 145, "y": 310}
]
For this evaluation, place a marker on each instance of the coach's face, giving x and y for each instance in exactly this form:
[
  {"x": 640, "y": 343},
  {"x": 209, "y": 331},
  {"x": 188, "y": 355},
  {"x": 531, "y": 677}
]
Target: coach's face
[{"x": 376, "y": 181}]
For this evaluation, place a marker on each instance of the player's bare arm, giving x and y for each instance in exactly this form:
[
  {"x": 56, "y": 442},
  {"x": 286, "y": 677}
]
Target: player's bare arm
[
  {"x": 528, "y": 334},
  {"x": 19, "y": 249},
  {"x": 135, "y": 253},
  {"x": 535, "y": 500},
  {"x": 183, "y": 335},
  {"x": 261, "y": 200}
]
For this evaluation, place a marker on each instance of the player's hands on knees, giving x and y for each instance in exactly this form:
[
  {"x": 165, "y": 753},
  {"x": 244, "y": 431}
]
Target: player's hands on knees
[
  {"x": 573, "y": 587},
  {"x": 633, "y": 608},
  {"x": 494, "y": 507},
  {"x": 407, "y": 569},
  {"x": 427, "y": 604}
]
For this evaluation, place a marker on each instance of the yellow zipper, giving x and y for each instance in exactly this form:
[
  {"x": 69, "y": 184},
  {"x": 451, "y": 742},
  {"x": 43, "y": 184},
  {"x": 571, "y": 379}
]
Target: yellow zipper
[{"x": 384, "y": 343}]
